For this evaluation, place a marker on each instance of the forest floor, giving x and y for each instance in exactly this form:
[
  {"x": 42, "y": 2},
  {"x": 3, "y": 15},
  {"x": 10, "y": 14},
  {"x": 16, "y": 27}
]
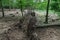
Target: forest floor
[{"x": 11, "y": 17}]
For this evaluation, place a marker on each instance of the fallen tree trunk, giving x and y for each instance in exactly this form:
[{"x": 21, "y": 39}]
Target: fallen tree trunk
[{"x": 48, "y": 25}]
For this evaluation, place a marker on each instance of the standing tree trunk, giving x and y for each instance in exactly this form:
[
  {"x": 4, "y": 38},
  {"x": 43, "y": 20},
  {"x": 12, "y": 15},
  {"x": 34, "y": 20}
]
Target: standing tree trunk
[
  {"x": 46, "y": 20},
  {"x": 9, "y": 6},
  {"x": 21, "y": 7},
  {"x": 21, "y": 10},
  {"x": 2, "y": 9}
]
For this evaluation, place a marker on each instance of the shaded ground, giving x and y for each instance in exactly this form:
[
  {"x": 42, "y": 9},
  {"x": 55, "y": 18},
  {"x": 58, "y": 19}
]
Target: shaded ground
[{"x": 51, "y": 33}]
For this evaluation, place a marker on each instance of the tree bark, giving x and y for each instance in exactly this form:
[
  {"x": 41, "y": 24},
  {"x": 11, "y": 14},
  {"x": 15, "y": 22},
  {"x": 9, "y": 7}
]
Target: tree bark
[
  {"x": 9, "y": 6},
  {"x": 21, "y": 11},
  {"x": 21, "y": 7},
  {"x": 2, "y": 9},
  {"x": 46, "y": 20}
]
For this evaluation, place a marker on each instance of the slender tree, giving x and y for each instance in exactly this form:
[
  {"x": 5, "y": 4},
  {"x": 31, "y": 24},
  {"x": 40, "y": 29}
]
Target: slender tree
[
  {"x": 46, "y": 20},
  {"x": 21, "y": 7},
  {"x": 9, "y": 5},
  {"x": 2, "y": 8}
]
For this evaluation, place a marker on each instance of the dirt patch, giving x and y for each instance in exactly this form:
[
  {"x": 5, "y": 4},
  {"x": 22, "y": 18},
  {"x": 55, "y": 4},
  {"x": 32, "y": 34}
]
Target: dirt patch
[
  {"x": 14, "y": 33},
  {"x": 51, "y": 33}
]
